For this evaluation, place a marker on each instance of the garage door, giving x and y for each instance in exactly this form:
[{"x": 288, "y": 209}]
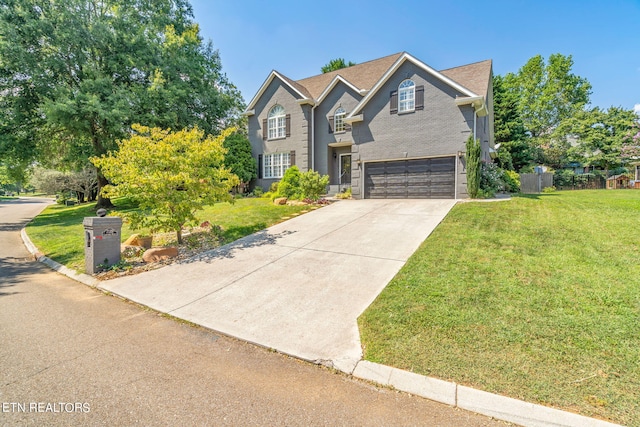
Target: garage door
[{"x": 411, "y": 179}]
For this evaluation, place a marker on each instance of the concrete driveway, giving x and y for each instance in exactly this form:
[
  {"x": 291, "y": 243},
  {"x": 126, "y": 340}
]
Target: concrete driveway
[{"x": 299, "y": 286}]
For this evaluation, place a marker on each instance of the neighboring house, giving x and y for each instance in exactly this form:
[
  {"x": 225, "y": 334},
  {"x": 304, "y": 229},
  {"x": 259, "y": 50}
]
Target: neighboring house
[{"x": 388, "y": 128}]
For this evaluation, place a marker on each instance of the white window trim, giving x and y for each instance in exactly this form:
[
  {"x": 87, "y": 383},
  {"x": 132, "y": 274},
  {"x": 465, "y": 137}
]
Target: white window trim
[
  {"x": 409, "y": 92},
  {"x": 277, "y": 122},
  {"x": 338, "y": 120},
  {"x": 275, "y": 164}
]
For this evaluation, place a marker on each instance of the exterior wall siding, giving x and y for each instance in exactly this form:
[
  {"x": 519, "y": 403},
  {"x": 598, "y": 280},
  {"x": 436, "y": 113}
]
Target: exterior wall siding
[
  {"x": 439, "y": 130},
  {"x": 300, "y": 138},
  {"x": 340, "y": 96}
]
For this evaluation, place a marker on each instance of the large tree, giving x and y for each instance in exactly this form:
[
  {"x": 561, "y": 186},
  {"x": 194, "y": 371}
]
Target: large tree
[
  {"x": 75, "y": 75},
  {"x": 336, "y": 64},
  {"x": 238, "y": 157},
  {"x": 598, "y": 136},
  {"x": 549, "y": 93},
  {"x": 515, "y": 151},
  {"x": 531, "y": 104}
]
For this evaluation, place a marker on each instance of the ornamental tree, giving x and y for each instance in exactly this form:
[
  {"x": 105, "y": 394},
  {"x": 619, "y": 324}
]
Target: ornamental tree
[{"x": 170, "y": 175}]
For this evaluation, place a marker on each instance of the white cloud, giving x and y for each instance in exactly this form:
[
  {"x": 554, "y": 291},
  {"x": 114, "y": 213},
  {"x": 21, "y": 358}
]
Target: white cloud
[{"x": 636, "y": 108}]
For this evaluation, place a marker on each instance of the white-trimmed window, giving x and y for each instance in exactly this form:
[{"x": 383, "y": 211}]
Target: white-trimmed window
[
  {"x": 277, "y": 122},
  {"x": 338, "y": 119},
  {"x": 275, "y": 164},
  {"x": 406, "y": 96}
]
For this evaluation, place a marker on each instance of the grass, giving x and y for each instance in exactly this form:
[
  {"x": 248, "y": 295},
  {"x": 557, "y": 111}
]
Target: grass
[
  {"x": 537, "y": 298},
  {"x": 58, "y": 230}
]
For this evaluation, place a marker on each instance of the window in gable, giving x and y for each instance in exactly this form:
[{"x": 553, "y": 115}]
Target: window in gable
[
  {"x": 277, "y": 123},
  {"x": 338, "y": 119},
  {"x": 406, "y": 96}
]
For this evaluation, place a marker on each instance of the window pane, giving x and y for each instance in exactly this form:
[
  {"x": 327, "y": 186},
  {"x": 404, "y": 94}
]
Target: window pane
[{"x": 406, "y": 95}]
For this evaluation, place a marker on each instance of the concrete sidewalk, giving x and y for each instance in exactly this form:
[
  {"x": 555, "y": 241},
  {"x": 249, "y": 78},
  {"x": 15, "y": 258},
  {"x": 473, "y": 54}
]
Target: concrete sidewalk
[{"x": 299, "y": 286}]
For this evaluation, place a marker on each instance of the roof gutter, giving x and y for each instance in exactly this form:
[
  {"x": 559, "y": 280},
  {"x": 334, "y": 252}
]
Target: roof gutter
[{"x": 478, "y": 103}]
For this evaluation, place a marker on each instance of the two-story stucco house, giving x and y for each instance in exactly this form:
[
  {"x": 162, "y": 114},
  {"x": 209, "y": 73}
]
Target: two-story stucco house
[{"x": 388, "y": 128}]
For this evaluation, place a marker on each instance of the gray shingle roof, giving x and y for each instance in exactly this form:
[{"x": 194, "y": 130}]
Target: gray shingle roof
[
  {"x": 475, "y": 77},
  {"x": 362, "y": 76}
]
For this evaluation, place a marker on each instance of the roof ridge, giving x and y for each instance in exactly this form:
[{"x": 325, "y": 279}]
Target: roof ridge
[
  {"x": 337, "y": 72},
  {"x": 466, "y": 65}
]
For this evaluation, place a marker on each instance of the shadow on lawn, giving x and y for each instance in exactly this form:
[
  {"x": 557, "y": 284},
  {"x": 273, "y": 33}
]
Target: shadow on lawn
[
  {"x": 535, "y": 196},
  {"x": 261, "y": 238}
]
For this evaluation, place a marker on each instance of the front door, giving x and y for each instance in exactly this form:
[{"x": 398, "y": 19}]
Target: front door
[{"x": 345, "y": 169}]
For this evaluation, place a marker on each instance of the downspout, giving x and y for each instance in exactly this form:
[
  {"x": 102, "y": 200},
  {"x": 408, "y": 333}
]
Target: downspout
[
  {"x": 313, "y": 137},
  {"x": 475, "y": 116}
]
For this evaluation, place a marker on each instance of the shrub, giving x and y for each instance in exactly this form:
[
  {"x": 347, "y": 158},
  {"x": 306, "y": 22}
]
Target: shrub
[
  {"x": 564, "y": 177},
  {"x": 345, "y": 194},
  {"x": 511, "y": 181},
  {"x": 313, "y": 185},
  {"x": 257, "y": 192},
  {"x": 490, "y": 179},
  {"x": 549, "y": 189},
  {"x": 473, "y": 166},
  {"x": 289, "y": 185}
]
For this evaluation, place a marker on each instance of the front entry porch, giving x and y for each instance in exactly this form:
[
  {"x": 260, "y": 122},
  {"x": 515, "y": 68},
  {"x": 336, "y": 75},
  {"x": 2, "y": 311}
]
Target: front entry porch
[{"x": 340, "y": 168}]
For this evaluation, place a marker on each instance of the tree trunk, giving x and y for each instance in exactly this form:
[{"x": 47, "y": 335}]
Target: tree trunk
[
  {"x": 103, "y": 202},
  {"x": 179, "y": 234}
]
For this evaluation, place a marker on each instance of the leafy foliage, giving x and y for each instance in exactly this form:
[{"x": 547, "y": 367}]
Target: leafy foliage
[
  {"x": 473, "y": 167},
  {"x": 549, "y": 93},
  {"x": 599, "y": 135},
  {"x": 514, "y": 152},
  {"x": 171, "y": 175},
  {"x": 84, "y": 183},
  {"x": 313, "y": 185},
  {"x": 76, "y": 75},
  {"x": 239, "y": 158},
  {"x": 530, "y": 105},
  {"x": 296, "y": 185},
  {"x": 511, "y": 181},
  {"x": 289, "y": 185},
  {"x": 491, "y": 179},
  {"x": 630, "y": 150},
  {"x": 336, "y": 64}
]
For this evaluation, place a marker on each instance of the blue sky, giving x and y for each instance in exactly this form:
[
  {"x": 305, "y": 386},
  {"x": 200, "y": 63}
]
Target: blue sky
[{"x": 297, "y": 38}]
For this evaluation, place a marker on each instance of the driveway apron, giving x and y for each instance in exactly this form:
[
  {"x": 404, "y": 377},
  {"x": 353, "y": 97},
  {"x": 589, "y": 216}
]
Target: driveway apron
[{"x": 297, "y": 287}]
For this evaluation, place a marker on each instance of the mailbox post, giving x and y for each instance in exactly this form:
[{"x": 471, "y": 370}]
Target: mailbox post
[{"x": 101, "y": 242}]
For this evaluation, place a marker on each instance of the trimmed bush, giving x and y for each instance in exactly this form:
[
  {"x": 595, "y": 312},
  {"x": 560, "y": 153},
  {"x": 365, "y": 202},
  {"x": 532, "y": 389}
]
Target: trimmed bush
[
  {"x": 511, "y": 181},
  {"x": 473, "y": 167},
  {"x": 312, "y": 185}
]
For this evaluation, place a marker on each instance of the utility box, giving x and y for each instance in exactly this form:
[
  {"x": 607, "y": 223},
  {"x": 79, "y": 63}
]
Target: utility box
[{"x": 101, "y": 242}]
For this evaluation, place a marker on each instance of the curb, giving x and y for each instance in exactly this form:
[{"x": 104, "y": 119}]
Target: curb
[
  {"x": 480, "y": 402},
  {"x": 72, "y": 274},
  {"x": 452, "y": 394}
]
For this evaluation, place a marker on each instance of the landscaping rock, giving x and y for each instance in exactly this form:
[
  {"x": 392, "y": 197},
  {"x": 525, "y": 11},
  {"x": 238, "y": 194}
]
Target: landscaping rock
[
  {"x": 159, "y": 254},
  {"x": 296, "y": 203},
  {"x": 280, "y": 201},
  {"x": 136, "y": 240},
  {"x": 131, "y": 241}
]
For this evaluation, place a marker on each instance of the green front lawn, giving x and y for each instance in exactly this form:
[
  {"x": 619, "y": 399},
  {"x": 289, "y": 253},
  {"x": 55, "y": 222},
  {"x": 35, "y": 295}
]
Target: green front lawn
[
  {"x": 537, "y": 298},
  {"x": 58, "y": 230}
]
